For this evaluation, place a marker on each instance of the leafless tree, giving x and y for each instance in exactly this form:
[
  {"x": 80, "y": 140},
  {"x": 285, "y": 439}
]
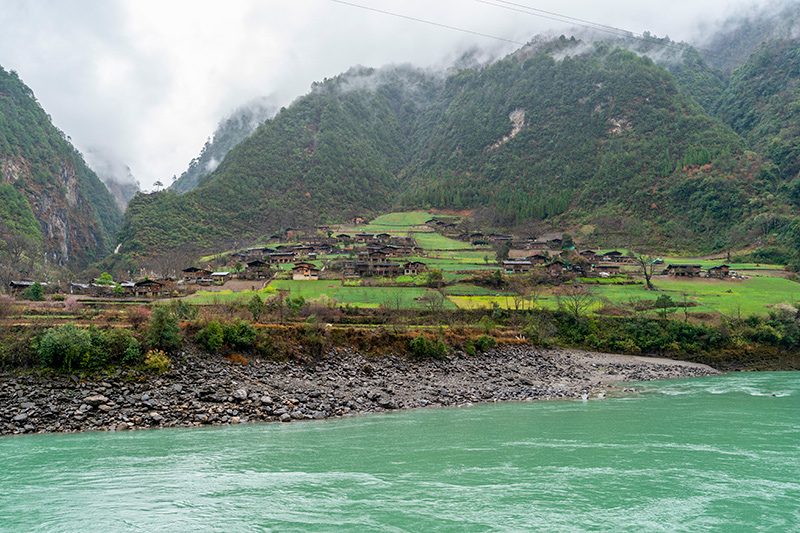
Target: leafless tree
[{"x": 575, "y": 300}]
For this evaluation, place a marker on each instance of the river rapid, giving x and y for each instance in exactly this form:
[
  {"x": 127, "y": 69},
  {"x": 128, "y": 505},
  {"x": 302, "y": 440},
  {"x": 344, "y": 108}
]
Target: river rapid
[{"x": 704, "y": 454}]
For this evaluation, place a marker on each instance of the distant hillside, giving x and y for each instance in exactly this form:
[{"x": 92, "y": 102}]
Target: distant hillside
[
  {"x": 569, "y": 133},
  {"x": 230, "y": 132},
  {"x": 762, "y": 103},
  {"x": 44, "y": 179},
  {"x": 335, "y": 153},
  {"x": 730, "y": 45}
]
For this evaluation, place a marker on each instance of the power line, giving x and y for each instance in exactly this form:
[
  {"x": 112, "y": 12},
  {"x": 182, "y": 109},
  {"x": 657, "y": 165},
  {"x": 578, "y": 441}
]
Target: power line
[
  {"x": 619, "y": 32},
  {"x": 398, "y": 15}
]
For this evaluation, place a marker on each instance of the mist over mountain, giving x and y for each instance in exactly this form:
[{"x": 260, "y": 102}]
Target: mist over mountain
[
  {"x": 116, "y": 176},
  {"x": 563, "y": 132},
  {"x": 228, "y": 134},
  {"x": 728, "y": 45}
]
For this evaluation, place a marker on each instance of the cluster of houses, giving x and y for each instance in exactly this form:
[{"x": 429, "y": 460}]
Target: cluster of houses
[
  {"x": 696, "y": 271},
  {"x": 591, "y": 264}
]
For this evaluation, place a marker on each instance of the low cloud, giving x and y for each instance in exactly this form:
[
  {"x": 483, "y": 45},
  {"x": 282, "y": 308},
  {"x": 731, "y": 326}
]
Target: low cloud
[{"x": 146, "y": 82}]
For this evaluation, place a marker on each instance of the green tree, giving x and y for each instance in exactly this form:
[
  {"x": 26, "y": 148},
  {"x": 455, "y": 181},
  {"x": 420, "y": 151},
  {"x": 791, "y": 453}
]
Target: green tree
[
  {"x": 163, "y": 332},
  {"x": 35, "y": 292}
]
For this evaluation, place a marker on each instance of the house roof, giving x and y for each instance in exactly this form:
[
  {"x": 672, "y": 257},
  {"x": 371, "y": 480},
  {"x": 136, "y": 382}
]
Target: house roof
[{"x": 224, "y": 273}]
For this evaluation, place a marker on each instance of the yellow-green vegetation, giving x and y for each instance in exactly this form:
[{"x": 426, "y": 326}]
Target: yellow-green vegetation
[
  {"x": 226, "y": 295},
  {"x": 729, "y": 297},
  {"x": 393, "y": 297}
]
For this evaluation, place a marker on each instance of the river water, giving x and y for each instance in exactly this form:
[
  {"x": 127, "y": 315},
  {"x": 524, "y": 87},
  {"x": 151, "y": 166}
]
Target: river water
[{"x": 706, "y": 454}]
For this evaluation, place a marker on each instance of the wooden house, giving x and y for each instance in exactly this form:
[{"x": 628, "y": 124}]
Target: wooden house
[
  {"x": 221, "y": 276},
  {"x": 413, "y": 268},
  {"x": 538, "y": 259},
  {"x": 722, "y": 271},
  {"x": 257, "y": 270},
  {"x": 385, "y": 269},
  {"x": 363, "y": 237},
  {"x": 148, "y": 288},
  {"x": 556, "y": 268},
  {"x": 280, "y": 258},
  {"x": 517, "y": 266},
  {"x": 305, "y": 271},
  {"x": 611, "y": 270},
  {"x": 192, "y": 274},
  {"x": 689, "y": 271}
]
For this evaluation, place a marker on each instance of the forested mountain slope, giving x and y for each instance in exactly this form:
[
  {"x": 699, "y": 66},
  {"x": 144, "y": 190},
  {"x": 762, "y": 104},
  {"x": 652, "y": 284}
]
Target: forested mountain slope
[
  {"x": 50, "y": 201},
  {"x": 230, "y": 132},
  {"x": 579, "y": 135},
  {"x": 334, "y": 153},
  {"x": 762, "y": 103}
]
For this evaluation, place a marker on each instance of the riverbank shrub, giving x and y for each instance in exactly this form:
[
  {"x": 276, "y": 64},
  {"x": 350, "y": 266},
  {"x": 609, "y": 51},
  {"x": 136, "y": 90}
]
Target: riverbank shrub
[
  {"x": 65, "y": 348},
  {"x": 485, "y": 342},
  {"x": 422, "y": 348},
  {"x": 157, "y": 362},
  {"x": 163, "y": 332},
  {"x": 211, "y": 337}
]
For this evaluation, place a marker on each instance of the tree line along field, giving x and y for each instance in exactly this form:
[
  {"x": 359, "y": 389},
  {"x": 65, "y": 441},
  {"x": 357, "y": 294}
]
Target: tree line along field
[{"x": 764, "y": 288}]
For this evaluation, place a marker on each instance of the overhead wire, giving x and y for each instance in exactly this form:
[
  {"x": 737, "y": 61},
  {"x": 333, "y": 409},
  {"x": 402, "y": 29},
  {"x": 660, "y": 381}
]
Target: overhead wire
[
  {"x": 620, "y": 32},
  {"x": 398, "y": 15},
  {"x": 541, "y": 13}
]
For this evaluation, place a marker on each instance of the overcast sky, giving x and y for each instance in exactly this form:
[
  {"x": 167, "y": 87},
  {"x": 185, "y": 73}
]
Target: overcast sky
[{"x": 145, "y": 82}]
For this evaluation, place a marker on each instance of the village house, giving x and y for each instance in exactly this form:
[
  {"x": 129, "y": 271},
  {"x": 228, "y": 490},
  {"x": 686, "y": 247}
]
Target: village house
[
  {"x": 611, "y": 270},
  {"x": 305, "y": 271},
  {"x": 280, "y": 258},
  {"x": 413, "y": 268},
  {"x": 722, "y": 271},
  {"x": 517, "y": 266},
  {"x": 589, "y": 255},
  {"x": 363, "y": 237},
  {"x": 192, "y": 274},
  {"x": 221, "y": 276},
  {"x": 556, "y": 268},
  {"x": 385, "y": 269},
  {"x": 684, "y": 270},
  {"x": 538, "y": 259},
  {"x": 17, "y": 287},
  {"x": 148, "y": 288},
  {"x": 257, "y": 270}
]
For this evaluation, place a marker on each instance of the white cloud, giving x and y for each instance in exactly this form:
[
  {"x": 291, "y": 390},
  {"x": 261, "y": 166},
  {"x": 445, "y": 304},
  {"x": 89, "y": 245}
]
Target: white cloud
[{"x": 148, "y": 80}]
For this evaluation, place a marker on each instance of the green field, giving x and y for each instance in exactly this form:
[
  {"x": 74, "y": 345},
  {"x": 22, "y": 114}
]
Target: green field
[
  {"x": 731, "y": 298},
  {"x": 403, "y": 297}
]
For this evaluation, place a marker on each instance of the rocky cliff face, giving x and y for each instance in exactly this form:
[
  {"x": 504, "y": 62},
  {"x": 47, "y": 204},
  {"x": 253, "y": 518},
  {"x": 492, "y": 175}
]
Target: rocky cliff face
[
  {"x": 49, "y": 181},
  {"x": 70, "y": 233}
]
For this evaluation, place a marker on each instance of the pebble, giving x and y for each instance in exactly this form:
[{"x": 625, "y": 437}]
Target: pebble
[{"x": 205, "y": 389}]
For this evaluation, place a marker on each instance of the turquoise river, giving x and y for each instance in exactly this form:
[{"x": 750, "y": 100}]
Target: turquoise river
[{"x": 707, "y": 454}]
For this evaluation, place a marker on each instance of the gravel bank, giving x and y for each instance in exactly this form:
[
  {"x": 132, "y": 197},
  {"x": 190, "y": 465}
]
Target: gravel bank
[{"x": 204, "y": 390}]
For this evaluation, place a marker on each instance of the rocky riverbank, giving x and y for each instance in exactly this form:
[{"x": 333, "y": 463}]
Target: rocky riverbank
[{"x": 206, "y": 390}]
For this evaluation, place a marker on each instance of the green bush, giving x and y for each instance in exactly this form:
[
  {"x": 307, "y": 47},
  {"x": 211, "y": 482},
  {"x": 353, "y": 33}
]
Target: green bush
[
  {"x": 485, "y": 342},
  {"x": 122, "y": 347},
  {"x": 211, "y": 337},
  {"x": 239, "y": 335},
  {"x": 163, "y": 332},
  {"x": 35, "y": 292},
  {"x": 422, "y": 348},
  {"x": 64, "y": 348}
]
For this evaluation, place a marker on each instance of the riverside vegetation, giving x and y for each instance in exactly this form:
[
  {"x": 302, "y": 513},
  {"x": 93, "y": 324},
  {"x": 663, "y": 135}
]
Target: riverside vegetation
[{"x": 177, "y": 364}]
